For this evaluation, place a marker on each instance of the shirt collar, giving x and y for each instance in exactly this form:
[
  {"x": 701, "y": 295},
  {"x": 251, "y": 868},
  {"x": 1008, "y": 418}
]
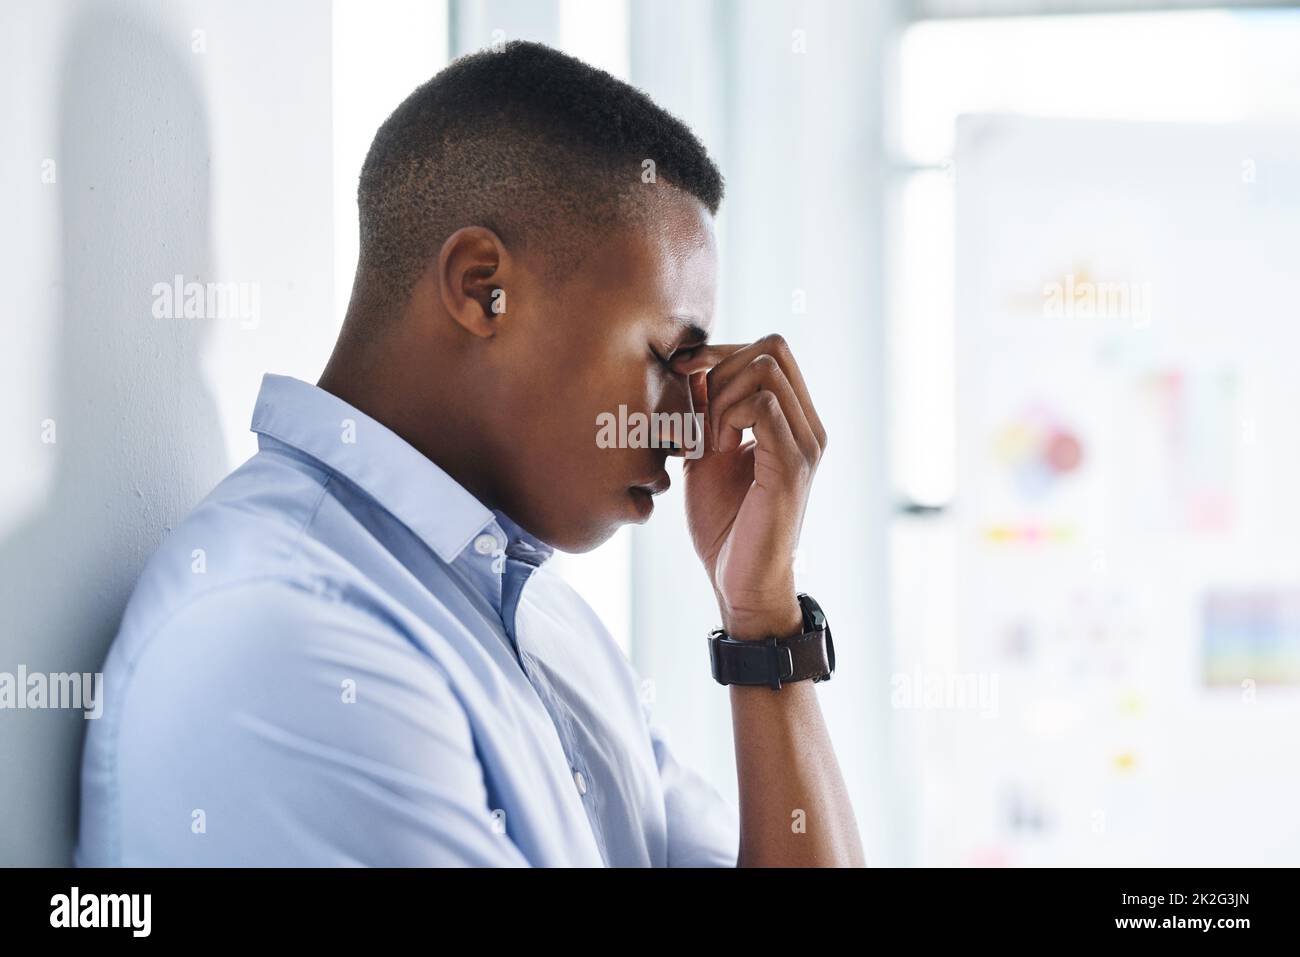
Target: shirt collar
[{"x": 427, "y": 500}]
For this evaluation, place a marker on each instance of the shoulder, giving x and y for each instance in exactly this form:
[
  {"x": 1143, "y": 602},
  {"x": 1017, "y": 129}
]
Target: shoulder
[
  {"x": 286, "y": 634},
  {"x": 260, "y": 671},
  {"x": 242, "y": 544}
]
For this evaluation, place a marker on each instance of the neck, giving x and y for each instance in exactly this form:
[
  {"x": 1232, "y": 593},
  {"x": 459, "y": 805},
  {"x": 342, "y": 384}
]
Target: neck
[{"x": 413, "y": 388}]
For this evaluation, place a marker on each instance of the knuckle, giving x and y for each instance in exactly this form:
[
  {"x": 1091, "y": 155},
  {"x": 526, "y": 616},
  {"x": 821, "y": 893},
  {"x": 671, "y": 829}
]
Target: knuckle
[{"x": 775, "y": 343}]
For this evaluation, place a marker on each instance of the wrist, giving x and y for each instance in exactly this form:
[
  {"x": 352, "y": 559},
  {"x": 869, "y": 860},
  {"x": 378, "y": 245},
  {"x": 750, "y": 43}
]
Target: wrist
[{"x": 783, "y": 619}]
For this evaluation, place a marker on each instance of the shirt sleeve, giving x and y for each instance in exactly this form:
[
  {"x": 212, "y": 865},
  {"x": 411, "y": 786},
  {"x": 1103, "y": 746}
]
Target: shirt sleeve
[
  {"x": 271, "y": 726},
  {"x": 703, "y": 826}
]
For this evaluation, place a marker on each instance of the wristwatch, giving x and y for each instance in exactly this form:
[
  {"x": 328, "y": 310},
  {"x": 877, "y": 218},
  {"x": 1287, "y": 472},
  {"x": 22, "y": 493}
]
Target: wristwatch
[{"x": 776, "y": 661}]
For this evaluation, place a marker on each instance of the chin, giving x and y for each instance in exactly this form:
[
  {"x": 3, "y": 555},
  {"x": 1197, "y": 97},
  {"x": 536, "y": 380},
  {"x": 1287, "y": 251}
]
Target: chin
[{"x": 591, "y": 534}]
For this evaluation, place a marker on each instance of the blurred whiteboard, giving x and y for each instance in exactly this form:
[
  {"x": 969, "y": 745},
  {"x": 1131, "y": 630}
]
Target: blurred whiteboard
[{"x": 1128, "y": 575}]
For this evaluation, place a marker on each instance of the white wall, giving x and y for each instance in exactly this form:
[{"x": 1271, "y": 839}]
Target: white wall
[
  {"x": 383, "y": 49},
  {"x": 167, "y": 160}
]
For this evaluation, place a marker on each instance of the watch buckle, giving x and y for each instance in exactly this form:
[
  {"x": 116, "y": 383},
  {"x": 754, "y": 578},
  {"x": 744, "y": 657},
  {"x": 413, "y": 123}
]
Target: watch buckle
[{"x": 781, "y": 662}]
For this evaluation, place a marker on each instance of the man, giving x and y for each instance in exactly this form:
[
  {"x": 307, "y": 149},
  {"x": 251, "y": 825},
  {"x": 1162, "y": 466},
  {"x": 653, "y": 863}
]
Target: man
[{"x": 354, "y": 650}]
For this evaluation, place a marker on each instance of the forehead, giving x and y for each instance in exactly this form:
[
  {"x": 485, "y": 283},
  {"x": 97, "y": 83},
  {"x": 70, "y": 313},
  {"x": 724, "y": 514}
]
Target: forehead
[{"x": 665, "y": 266}]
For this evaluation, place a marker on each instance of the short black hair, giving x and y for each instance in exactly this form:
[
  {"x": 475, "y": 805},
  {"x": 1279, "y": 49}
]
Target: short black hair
[{"x": 540, "y": 147}]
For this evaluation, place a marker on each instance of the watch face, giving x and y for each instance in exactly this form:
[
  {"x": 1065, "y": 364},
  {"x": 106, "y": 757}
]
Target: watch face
[{"x": 814, "y": 618}]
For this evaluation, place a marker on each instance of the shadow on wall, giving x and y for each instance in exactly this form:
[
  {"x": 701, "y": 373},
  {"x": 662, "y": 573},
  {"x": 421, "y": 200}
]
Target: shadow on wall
[{"x": 137, "y": 439}]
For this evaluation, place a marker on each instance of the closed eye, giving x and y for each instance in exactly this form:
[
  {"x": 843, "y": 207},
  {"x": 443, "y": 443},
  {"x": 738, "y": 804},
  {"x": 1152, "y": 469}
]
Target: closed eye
[
  {"x": 683, "y": 352},
  {"x": 667, "y": 363}
]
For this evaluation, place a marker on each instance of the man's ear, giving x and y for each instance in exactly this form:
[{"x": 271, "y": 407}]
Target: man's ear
[{"x": 472, "y": 268}]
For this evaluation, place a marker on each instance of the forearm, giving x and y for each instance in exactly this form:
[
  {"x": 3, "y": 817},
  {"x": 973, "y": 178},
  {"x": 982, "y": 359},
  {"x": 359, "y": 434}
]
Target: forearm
[{"x": 794, "y": 806}]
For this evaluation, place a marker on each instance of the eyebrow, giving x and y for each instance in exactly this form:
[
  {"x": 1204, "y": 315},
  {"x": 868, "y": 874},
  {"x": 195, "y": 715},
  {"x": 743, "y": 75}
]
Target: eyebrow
[{"x": 691, "y": 331}]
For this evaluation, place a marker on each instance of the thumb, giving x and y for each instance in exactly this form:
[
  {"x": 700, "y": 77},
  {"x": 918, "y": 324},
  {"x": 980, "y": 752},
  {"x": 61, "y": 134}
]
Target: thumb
[{"x": 699, "y": 385}]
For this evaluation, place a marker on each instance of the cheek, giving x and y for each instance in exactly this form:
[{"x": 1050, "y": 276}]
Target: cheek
[
  {"x": 574, "y": 406},
  {"x": 627, "y": 377},
  {"x": 636, "y": 386}
]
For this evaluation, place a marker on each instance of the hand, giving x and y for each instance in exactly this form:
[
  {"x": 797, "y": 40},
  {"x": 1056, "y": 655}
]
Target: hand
[{"x": 745, "y": 501}]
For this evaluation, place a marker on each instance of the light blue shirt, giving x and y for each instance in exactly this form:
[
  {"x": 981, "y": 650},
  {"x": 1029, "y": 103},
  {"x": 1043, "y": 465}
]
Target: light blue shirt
[{"x": 341, "y": 657}]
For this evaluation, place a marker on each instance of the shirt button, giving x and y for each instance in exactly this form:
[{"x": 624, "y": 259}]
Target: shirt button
[
  {"x": 579, "y": 780},
  {"x": 486, "y": 544}
]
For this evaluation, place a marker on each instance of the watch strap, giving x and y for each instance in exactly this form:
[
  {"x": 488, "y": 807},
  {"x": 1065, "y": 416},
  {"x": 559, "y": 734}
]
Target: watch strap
[{"x": 775, "y": 661}]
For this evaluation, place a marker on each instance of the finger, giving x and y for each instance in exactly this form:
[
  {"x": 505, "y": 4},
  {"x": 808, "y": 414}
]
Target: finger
[
  {"x": 729, "y": 365},
  {"x": 764, "y": 372},
  {"x": 703, "y": 358},
  {"x": 725, "y": 361},
  {"x": 762, "y": 413},
  {"x": 776, "y": 346},
  {"x": 721, "y": 361},
  {"x": 699, "y": 392},
  {"x": 700, "y": 409}
]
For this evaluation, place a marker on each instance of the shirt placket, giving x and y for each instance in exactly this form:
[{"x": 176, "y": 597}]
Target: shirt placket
[{"x": 521, "y": 561}]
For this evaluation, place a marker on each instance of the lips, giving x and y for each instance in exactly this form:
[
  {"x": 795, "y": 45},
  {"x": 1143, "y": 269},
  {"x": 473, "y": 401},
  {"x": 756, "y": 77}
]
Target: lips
[{"x": 656, "y": 485}]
